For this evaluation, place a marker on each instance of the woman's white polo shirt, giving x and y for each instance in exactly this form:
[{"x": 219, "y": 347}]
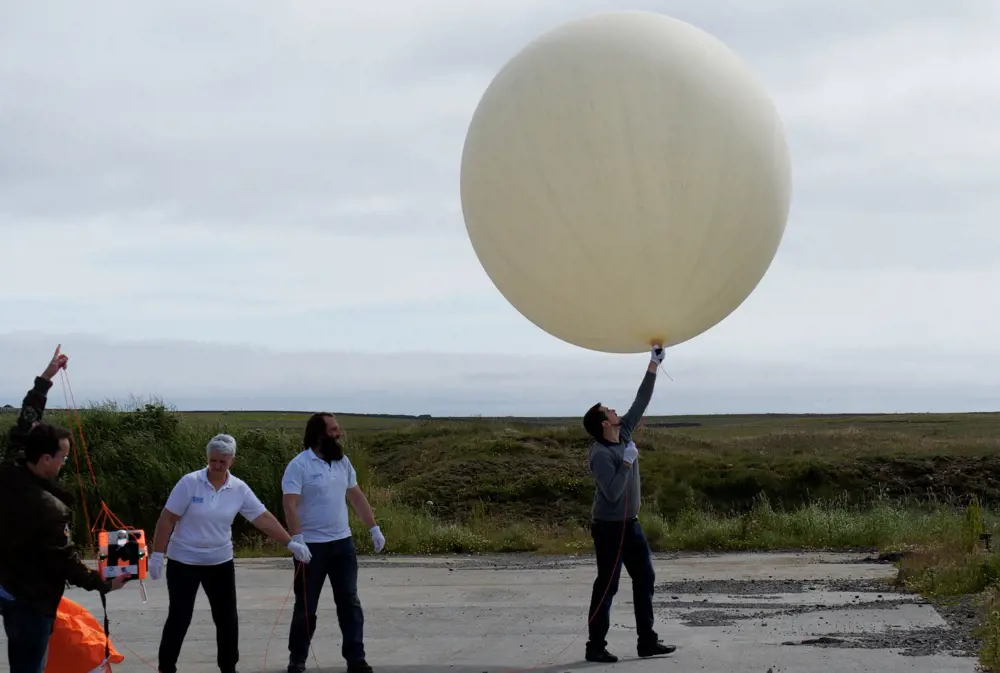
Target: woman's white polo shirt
[{"x": 204, "y": 534}]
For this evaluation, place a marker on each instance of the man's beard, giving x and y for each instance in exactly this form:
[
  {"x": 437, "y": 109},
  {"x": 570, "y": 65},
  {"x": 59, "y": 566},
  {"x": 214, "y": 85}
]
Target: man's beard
[{"x": 331, "y": 449}]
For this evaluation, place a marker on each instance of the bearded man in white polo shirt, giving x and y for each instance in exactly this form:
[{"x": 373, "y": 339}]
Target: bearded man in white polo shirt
[
  {"x": 197, "y": 520},
  {"x": 316, "y": 487}
]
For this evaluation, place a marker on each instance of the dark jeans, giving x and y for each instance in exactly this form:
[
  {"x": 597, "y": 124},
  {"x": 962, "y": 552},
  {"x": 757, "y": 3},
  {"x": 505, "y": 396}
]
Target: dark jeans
[
  {"x": 219, "y": 583},
  {"x": 637, "y": 559},
  {"x": 28, "y": 635},
  {"x": 338, "y": 561}
]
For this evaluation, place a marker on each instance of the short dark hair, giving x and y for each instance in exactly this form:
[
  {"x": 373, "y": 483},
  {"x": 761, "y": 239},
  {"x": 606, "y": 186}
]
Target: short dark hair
[
  {"x": 43, "y": 440},
  {"x": 593, "y": 421},
  {"x": 315, "y": 429}
]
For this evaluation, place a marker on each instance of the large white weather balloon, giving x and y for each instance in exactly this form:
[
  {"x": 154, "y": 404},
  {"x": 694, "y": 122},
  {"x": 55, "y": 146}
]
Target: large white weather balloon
[{"x": 625, "y": 180}]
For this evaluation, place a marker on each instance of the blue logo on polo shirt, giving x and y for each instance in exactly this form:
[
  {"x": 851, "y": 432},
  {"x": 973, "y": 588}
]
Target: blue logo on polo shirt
[
  {"x": 317, "y": 475},
  {"x": 197, "y": 498}
]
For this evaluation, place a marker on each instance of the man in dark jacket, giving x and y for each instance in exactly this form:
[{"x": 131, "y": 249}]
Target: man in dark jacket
[{"x": 37, "y": 554}]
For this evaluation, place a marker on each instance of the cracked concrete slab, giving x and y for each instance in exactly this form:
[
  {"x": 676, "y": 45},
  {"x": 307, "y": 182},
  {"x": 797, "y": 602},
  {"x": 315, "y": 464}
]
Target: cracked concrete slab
[{"x": 508, "y": 614}]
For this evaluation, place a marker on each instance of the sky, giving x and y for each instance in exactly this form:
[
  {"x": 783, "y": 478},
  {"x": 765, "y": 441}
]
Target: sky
[{"x": 255, "y": 205}]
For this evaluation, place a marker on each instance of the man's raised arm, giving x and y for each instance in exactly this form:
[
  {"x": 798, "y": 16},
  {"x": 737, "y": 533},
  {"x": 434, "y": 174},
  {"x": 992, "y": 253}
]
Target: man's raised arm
[
  {"x": 644, "y": 394},
  {"x": 33, "y": 405}
]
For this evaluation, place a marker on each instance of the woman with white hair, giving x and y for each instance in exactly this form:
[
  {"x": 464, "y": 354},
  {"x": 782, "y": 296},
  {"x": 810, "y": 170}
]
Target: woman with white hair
[{"x": 197, "y": 520}]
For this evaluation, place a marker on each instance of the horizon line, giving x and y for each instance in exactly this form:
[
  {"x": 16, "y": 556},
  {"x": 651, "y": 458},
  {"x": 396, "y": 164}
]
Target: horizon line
[{"x": 8, "y": 408}]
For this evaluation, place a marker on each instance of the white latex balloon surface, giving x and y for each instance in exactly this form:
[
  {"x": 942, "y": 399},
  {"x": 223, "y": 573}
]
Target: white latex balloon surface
[{"x": 625, "y": 180}]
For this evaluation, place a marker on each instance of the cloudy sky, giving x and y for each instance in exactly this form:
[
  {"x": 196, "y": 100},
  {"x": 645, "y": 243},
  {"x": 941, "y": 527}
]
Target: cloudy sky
[{"x": 250, "y": 204}]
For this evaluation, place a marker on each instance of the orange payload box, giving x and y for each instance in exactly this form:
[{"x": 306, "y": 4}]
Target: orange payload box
[
  {"x": 122, "y": 552},
  {"x": 78, "y": 641}
]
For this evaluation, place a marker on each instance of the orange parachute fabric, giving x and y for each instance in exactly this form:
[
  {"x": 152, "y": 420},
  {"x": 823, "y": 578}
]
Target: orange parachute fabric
[{"x": 78, "y": 641}]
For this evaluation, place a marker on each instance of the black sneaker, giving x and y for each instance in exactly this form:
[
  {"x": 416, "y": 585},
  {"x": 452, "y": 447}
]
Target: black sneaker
[
  {"x": 359, "y": 667},
  {"x": 601, "y": 657},
  {"x": 296, "y": 668},
  {"x": 653, "y": 649}
]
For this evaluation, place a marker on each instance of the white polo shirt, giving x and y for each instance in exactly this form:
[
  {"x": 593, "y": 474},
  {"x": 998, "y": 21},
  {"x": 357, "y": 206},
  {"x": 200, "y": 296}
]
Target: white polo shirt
[
  {"x": 322, "y": 489},
  {"x": 204, "y": 534}
]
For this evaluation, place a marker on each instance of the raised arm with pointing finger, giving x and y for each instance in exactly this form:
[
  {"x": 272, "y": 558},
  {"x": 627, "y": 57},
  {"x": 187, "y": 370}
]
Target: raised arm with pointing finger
[{"x": 33, "y": 405}]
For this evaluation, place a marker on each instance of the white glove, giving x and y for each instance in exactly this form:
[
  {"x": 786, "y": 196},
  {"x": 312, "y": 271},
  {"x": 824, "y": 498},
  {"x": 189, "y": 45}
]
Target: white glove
[
  {"x": 631, "y": 453},
  {"x": 656, "y": 354},
  {"x": 377, "y": 538},
  {"x": 299, "y": 549},
  {"x": 156, "y": 565}
]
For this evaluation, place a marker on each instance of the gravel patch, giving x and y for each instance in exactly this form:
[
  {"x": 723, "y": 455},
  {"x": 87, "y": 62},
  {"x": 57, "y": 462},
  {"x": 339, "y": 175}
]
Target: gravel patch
[
  {"x": 727, "y": 614},
  {"x": 957, "y": 638},
  {"x": 770, "y": 587},
  {"x": 886, "y": 558},
  {"x": 911, "y": 643}
]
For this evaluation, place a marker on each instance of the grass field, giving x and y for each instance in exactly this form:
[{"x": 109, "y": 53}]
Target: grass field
[
  {"x": 535, "y": 468},
  {"x": 528, "y": 478},
  {"x": 920, "y": 484}
]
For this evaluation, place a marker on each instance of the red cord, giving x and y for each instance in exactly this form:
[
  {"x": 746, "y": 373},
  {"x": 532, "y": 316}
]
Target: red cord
[{"x": 305, "y": 608}]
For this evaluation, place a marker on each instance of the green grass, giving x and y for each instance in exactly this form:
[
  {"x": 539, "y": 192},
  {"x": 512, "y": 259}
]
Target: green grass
[
  {"x": 481, "y": 484},
  {"x": 915, "y": 483},
  {"x": 532, "y": 469},
  {"x": 989, "y": 631}
]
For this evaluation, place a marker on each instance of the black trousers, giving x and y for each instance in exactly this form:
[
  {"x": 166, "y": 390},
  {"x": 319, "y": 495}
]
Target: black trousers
[
  {"x": 219, "y": 583},
  {"x": 637, "y": 559},
  {"x": 338, "y": 562}
]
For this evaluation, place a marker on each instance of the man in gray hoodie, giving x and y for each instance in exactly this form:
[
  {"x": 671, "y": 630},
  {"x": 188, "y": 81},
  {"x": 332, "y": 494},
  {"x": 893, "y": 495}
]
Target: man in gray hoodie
[{"x": 614, "y": 464}]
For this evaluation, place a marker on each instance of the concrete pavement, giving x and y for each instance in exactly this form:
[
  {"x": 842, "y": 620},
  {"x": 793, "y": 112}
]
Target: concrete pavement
[{"x": 508, "y": 614}]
